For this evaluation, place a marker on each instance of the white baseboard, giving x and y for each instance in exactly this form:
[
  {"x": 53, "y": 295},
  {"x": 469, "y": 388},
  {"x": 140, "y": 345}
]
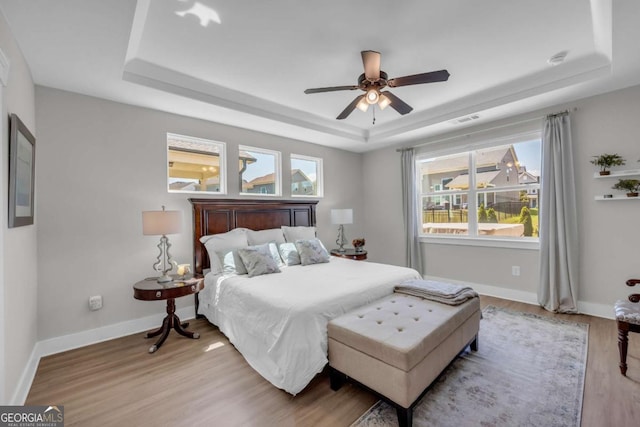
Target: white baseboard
[
  {"x": 93, "y": 336},
  {"x": 596, "y": 309},
  {"x": 584, "y": 307},
  {"x": 84, "y": 338}
]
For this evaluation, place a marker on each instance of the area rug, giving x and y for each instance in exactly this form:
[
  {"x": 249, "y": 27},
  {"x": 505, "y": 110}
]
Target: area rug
[{"x": 528, "y": 371}]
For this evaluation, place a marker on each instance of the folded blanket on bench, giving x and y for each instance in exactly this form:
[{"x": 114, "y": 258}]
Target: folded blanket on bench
[{"x": 446, "y": 293}]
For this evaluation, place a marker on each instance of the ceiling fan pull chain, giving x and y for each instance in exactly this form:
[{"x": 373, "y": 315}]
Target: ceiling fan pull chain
[{"x": 373, "y": 110}]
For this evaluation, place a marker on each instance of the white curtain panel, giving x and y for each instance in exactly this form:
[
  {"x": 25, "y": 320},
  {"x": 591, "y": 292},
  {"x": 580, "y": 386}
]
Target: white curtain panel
[
  {"x": 558, "y": 288},
  {"x": 409, "y": 209}
]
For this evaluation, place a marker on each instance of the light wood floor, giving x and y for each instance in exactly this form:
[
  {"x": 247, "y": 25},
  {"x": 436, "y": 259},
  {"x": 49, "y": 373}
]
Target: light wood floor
[{"x": 117, "y": 383}]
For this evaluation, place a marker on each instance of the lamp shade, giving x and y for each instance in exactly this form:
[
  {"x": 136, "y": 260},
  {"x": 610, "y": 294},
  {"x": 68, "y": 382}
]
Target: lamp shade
[
  {"x": 341, "y": 216},
  {"x": 157, "y": 223}
]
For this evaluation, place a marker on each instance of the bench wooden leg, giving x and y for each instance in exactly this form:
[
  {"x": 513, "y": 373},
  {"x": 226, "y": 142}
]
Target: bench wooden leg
[
  {"x": 623, "y": 344},
  {"x": 336, "y": 379},
  {"x": 405, "y": 416}
]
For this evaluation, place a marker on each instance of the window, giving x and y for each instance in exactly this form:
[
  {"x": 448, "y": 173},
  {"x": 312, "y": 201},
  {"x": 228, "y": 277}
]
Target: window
[
  {"x": 195, "y": 165},
  {"x": 306, "y": 176},
  {"x": 489, "y": 192},
  {"x": 259, "y": 171}
]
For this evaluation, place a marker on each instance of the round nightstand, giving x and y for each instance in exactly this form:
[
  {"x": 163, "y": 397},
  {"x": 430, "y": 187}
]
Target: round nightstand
[
  {"x": 350, "y": 254},
  {"x": 151, "y": 290}
]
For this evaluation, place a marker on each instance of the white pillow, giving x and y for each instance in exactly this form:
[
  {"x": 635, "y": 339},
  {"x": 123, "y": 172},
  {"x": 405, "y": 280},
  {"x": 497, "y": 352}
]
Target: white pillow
[
  {"x": 219, "y": 245},
  {"x": 273, "y": 248},
  {"x": 258, "y": 260},
  {"x": 312, "y": 251},
  {"x": 231, "y": 261},
  {"x": 265, "y": 236},
  {"x": 289, "y": 253},
  {"x": 291, "y": 234}
]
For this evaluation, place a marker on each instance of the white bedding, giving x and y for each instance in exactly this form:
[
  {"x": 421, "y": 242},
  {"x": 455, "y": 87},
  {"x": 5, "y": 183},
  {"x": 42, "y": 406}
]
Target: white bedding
[{"x": 279, "y": 321}]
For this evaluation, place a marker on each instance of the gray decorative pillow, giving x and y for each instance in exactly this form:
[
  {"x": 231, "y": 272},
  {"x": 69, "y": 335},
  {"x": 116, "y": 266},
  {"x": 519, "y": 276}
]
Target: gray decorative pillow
[
  {"x": 289, "y": 253},
  {"x": 312, "y": 251},
  {"x": 258, "y": 260}
]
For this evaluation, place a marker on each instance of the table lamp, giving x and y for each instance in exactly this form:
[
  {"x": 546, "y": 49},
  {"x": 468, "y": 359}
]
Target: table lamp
[
  {"x": 161, "y": 223},
  {"x": 341, "y": 217}
]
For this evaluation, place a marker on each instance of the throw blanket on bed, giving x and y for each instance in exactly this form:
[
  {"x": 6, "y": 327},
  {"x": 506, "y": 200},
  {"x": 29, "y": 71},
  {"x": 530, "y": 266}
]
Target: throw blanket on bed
[{"x": 446, "y": 293}]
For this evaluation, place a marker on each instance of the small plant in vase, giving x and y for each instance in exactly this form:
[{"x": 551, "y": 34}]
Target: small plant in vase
[
  {"x": 631, "y": 186},
  {"x": 606, "y": 161}
]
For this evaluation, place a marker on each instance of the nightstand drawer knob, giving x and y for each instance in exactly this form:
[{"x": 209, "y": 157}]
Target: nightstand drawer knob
[{"x": 158, "y": 294}]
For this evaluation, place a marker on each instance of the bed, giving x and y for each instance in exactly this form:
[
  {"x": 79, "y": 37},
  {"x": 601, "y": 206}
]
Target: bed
[{"x": 278, "y": 322}]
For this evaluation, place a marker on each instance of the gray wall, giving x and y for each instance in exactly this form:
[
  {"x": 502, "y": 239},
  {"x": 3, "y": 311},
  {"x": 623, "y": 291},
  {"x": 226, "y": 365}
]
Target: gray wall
[
  {"x": 608, "y": 229},
  {"x": 18, "y": 267},
  {"x": 104, "y": 164}
]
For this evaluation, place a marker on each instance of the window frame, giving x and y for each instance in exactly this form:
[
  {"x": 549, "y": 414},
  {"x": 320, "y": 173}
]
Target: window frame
[
  {"x": 319, "y": 175},
  {"x": 473, "y": 238},
  {"x": 222, "y": 156},
  {"x": 277, "y": 170}
]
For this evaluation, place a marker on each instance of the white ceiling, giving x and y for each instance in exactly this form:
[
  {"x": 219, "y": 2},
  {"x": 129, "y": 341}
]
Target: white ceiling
[{"x": 247, "y": 63}]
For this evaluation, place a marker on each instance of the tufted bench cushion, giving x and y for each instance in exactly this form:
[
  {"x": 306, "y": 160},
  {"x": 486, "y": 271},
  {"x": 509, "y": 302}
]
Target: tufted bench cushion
[
  {"x": 398, "y": 345},
  {"x": 627, "y": 311}
]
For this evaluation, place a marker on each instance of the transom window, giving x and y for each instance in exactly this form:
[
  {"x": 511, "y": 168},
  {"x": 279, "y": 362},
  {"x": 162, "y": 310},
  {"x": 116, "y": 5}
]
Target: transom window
[
  {"x": 195, "y": 165},
  {"x": 259, "y": 171},
  {"x": 489, "y": 192},
  {"x": 306, "y": 176}
]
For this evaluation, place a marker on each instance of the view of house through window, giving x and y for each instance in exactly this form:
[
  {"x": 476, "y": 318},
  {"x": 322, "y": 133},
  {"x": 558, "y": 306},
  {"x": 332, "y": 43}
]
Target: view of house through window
[
  {"x": 306, "y": 176},
  {"x": 259, "y": 171},
  {"x": 195, "y": 164},
  {"x": 486, "y": 192}
]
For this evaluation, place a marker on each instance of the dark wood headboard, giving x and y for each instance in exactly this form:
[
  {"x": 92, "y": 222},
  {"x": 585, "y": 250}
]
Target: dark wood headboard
[{"x": 212, "y": 216}]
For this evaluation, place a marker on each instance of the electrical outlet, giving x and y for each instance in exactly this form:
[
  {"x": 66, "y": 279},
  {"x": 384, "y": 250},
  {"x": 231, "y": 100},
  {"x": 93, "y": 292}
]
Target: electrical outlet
[
  {"x": 515, "y": 270},
  {"x": 95, "y": 302}
]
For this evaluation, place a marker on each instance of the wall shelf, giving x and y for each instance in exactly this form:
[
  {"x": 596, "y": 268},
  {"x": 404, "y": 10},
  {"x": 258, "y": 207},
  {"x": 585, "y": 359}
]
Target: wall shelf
[
  {"x": 617, "y": 197},
  {"x": 617, "y": 174}
]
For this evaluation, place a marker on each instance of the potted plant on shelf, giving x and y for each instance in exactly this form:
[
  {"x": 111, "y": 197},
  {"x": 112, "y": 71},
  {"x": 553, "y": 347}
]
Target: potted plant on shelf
[
  {"x": 605, "y": 161},
  {"x": 630, "y": 185}
]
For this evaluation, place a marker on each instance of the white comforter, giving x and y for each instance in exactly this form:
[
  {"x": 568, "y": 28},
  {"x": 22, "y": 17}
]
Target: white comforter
[{"x": 279, "y": 321}]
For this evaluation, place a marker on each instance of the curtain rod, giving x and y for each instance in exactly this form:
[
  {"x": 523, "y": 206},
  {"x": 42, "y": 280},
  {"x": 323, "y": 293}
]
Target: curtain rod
[
  {"x": 399, "y": 150},
  {"x": 470, "y": 133},
  {"x": 561, "y": 113}
]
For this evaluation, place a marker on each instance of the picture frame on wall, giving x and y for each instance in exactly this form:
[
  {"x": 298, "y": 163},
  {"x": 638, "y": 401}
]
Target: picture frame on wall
[{"x": 22, "y": 155}]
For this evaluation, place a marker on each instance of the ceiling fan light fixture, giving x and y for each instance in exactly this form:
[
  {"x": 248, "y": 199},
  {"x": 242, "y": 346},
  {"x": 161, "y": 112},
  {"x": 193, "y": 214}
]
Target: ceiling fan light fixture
[
  {"x": 384, "y": 101},
  {"x": 363, "y": 105},
  {"x": 372, "y": 96}
]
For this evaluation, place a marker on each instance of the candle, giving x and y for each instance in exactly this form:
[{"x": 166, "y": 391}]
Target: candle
[{"x": 182, "y": 269}]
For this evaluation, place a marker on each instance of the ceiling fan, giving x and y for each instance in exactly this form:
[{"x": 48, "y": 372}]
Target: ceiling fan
[{"x": 373, "y": 80}]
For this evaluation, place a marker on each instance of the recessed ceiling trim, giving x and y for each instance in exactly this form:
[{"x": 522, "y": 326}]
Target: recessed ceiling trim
[
  {"x": 151, "y": 75},
  {"x": 517, "y": 90}
]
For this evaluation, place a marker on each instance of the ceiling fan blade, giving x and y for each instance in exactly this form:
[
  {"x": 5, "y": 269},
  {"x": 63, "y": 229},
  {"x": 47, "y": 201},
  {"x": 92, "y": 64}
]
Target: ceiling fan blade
[
  {"x": 416, "y": 79},
  {"x": 371, "y": 62},
  {"x": 330, "y": 89},
  {"x": 345, "y": 113},
  {"x": 398, "y": 104}
]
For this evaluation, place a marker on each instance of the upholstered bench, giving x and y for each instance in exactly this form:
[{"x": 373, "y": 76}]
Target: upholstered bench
[{"x": 398, "y": 345}]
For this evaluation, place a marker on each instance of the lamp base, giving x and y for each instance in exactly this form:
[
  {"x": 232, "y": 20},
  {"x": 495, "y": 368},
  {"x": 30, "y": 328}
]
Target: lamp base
[{"x": 165, "y": 278}]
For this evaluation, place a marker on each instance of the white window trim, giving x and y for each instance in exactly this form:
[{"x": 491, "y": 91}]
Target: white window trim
[
  {"x": 277, "y": 171},
  {"x": 473, "y": 239},
  {"x": 223, "y": 164},
  {"x": 319, "y": 174}
]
